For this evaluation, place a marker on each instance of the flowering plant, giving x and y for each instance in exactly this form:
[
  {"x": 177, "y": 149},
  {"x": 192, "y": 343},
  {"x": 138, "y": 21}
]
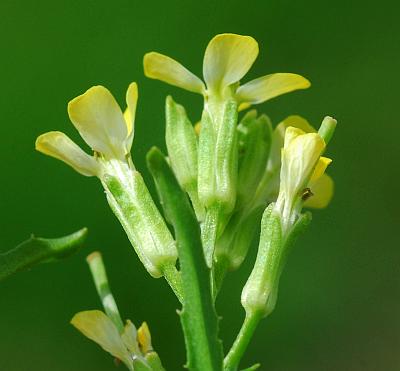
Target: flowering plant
[{"x": 221, "y": 179}]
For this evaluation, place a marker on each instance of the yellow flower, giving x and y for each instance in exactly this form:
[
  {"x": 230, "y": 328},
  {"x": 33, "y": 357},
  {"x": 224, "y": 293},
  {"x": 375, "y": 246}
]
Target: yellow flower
[
  {"x": 103, "y": 126},
  {"x": 302, "y": 167},
  {"x": 97, "y": 326},
  {"x": 227, "y": 59}
]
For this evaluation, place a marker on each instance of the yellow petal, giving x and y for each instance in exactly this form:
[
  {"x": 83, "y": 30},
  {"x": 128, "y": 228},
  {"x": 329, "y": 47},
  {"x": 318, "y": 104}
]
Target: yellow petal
[
  {"x": 130, "y": 112},
  {"x": 292, "y": 133},
  {"x": 227, "y": 59},
  {"x": 299, "y": 158},
  {"x": 95, "y": 325},
  {"x": 144, "y": 338},
  {"x": 160, "y": 67},
  {"x": 58, "y": 145},
  {"x": 278, "y": 137},
  {"x": 270, "y": 86},
  {"x": 320, "y": 168},
  {"x": 297, "y": 122},
  {"x": 322, "y": 191},
  {"x": 243, "y": 106},
  {"x": 99, "y": 120}
]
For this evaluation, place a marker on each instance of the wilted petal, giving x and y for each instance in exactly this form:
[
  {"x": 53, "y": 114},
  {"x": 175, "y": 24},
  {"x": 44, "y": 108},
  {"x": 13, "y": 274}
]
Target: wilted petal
[
  {"x": 270, "y": 86},
  {"x": 129, "y": 114},
  {"x": 100, "y": 122},
  {"x": 322, "y": 191},
  {"x": 60, "y": 146},
  {"x": 95, "y": 325},
  {"x": 227, "y": 59},
  {"x": 160, "y": 67}
]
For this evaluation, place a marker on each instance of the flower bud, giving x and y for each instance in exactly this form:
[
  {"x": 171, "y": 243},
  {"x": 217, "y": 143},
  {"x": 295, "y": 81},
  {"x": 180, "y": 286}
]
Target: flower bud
[
  {"x": 254, "y": 138},
  {"x": 181, "y": 141}
]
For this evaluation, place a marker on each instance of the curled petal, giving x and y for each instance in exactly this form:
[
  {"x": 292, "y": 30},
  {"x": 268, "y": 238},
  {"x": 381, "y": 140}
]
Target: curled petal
[
  {"x": 129, "y": 114},
  {"x": 270, "y": 86},
  {"x": 322, "y": 191},
  {"x": 95, "y": 325},
  {"x": 99, "y": 120},
  {"x": 60, "y": 146},
  {"x": 160, "y": 67},
  {"x": 227, "y": 59}
]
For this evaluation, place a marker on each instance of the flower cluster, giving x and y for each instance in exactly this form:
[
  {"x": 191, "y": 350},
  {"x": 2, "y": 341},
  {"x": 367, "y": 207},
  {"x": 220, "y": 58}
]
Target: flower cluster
[{"x": 237, "y": 172}]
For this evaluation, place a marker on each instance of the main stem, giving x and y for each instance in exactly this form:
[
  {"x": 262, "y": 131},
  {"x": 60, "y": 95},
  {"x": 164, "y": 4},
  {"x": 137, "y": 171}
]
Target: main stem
[
  {"x": 198, "y": 317},
  {"x": 243, "y": 338}
]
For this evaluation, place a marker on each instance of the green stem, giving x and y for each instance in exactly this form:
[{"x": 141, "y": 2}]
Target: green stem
[
  {"x": 39, "y": 250},
  {"x": 198, "y": 317},
  {"x": 99, "y": 275},
  {"x": 243, "y": 338}
]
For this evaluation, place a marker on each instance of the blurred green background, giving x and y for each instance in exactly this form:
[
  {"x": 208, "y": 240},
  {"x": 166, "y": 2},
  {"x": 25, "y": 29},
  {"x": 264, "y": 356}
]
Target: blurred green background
[{"x": 339, "y": 301}]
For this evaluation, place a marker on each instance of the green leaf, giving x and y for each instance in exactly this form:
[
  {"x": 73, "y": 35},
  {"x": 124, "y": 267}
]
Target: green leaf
[
  {"x": 40, "y": 250},
  {"x": 198, "y": 317}
]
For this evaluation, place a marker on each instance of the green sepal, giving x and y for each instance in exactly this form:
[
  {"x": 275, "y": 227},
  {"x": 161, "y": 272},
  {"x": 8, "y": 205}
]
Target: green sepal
[
  {"x": 142, "y": 222},
  {"x": 139, "y": 365},
  {"x": 198, "y": 317},
  {"x": 154, "y": 361},
  {"x": 254, "y": 138},
  {"x": 258, "y": 294},
  {"x": 237, "y": 237},
  {"x": 218, "y": 157},
  {"x": 261, "y": 289},
  {"x": 38, "y": 250},
  {"x": 181, "y": 141}
]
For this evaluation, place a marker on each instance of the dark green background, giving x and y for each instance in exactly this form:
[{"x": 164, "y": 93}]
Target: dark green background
[{"x": 339, "y": 297}]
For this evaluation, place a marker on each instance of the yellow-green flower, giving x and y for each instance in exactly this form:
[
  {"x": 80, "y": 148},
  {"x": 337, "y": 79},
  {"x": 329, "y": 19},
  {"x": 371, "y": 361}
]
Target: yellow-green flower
[
  {"x": 103, "y": 126},
  {"x": 302, "y": 167},
  {"x": 109, "y": 132},
  {"x": 268, "y": 189},
  {"x": 130, "y": 346},
  {"x": 227, "y": 59}
]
